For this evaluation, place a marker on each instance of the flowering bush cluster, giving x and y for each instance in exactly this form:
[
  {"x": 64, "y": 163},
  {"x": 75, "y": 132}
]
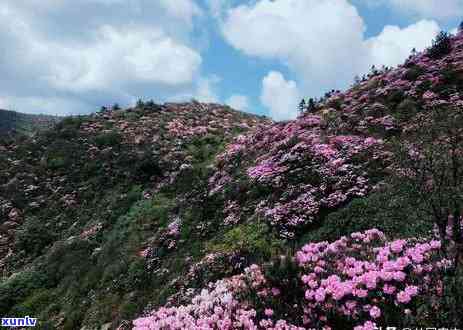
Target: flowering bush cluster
[
  {"x": 362, "y": 275},
  {"x": 216, "y": 307},
  {"x": 421, "y": 83},
  {"x": 355, "y": 278},
  {"x": 302, "y": 170}
]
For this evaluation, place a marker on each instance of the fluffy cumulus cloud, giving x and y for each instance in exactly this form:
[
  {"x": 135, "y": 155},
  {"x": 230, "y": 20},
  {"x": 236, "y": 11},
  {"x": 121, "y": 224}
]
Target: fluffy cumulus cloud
[
  {"x": 322, "y": 42},
  {"x": 313, "y": 37},
  {"x": 393, "y": 44},
  {"x": 280, "y": 96},
  {"x": 123, "y": 51},
  {"x": 239, "y": 102}
]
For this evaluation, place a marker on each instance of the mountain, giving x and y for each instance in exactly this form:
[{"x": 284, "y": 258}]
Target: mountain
[
  {"x": 14, "y": 122},
  {"x": 196, "y": 216}
]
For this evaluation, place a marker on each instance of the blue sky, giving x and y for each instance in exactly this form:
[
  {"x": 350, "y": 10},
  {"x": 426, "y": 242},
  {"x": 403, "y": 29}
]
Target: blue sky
[{"x": 261, "y": 56}]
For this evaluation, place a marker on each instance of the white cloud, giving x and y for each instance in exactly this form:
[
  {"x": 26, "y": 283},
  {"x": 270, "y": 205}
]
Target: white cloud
[
  {"x": 114, "y": 58},
  {"x": 206, "y": 90},
  {"x": 239, "y": 102},
  {"x": 45, "y": 105},
  {"x": 280, "y": 96},
  {"x": 321, "y": 42},
  {"x": 393, "y": 44},
  {"x": 3, "y": 104},
  {"x": 316, "y": 39},
  {"x": 118, "y": 58}
]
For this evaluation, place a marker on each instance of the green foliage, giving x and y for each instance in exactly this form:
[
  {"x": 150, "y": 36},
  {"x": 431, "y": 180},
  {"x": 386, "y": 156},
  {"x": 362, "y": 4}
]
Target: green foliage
[
  {"x": 34, "y": 237},
  {"x": 414, "y": 72},
  {"x": 57, "y": 162},
  {"x": 394, "y": 98},
  {"x": 18, "y": 287},
  {"x": 38, "y": 301},
  {"x": 283, "y": 273},
  {"x": 203, "y": 149},
  {"x": 255, "y": 238},
  {"x": 406, "y": 110},
  {"x": 441, "y": 46},
  {"x": 110, "y": 139},
  {"x": 68, "y": 128},
  {"x": 389, "y": 211}
]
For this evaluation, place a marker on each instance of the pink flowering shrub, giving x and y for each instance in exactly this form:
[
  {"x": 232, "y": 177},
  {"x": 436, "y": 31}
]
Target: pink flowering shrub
[
  {"x": 355, "y": 280},
  {"x": 220, "y": 306},
  {"x": 294, "y": 171},
  {"x": 362, "y": 276}
]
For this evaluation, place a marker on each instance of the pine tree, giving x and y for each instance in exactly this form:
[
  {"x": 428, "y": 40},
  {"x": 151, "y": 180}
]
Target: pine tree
[
  {"x": 311, "y": 105},
  {"x": 441, "y": 46},
  {"x": 140, "y": 104},
  {"x": 302, "y": 106}
]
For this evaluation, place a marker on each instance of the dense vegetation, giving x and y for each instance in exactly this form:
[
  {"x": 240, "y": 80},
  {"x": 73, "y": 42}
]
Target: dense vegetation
[
  {"x": 195, "y": 216},
  {"x": 12, "y": 122}
]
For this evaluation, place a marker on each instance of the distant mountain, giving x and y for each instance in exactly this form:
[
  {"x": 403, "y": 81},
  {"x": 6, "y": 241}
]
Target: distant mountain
[{"x": 15, "y": 122}]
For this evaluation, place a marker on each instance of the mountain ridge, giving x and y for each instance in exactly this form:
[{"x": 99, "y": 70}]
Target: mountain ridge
[
  {"x": 12, "y": 122},
  {"x": 131, "y": 214}
]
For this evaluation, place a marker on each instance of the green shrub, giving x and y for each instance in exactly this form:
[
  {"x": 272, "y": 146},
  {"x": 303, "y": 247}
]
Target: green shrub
[
  {"x": 255, "y": 238},
  {"x": 110, "y": 139},
  {"x": 441, "y": 46},
  {"x": 406, "y": 110},
  {"x": 34, "y": 304},
  {"x": 18, "y": 287},
  {"x": 414, "y": 72},
  {"x": 34, "y": 237},
  {"x": 57, "y": 162},
  {"x": 388, "y": 211}
]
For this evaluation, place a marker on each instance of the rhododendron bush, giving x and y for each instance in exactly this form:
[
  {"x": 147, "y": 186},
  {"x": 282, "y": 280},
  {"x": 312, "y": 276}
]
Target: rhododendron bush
[
  {"x": 299, "y": 169},
  {"x": 355, "y": 280}
]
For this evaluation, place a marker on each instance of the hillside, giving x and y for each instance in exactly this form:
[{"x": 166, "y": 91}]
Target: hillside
[
  {"x": 195, "y": 216},
  {"x": 82, "y": 201},
  {"x": 12, "y": 122}
]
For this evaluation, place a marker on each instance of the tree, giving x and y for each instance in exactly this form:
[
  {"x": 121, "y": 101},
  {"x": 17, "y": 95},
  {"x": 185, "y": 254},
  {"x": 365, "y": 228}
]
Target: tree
[
  {"x": 116, "y": 107},
  {"x": 441, "y": 46},
  {"x": 140, "y": 104},
  {"x": 430, "y": 168},
  {"x": 311, "y": 107},
  {"x": 430, "y": 165},
  {"x": 302, "y": 106},
  {"x": 460, "y": 27}
]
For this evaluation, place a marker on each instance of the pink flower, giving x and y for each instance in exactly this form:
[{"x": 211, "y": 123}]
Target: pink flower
[
  {"x": 268, "y": 312},
  {"x": 389, "y": 289},
  {"x": 399, "y": 276},
  {"x": 403, "y": 297},
  {"x": 375, "y": 312},
  {"x": 275, "y": 291},
  {"x": 397, "y": 246},
  {"x": 320, "y": 295}
]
